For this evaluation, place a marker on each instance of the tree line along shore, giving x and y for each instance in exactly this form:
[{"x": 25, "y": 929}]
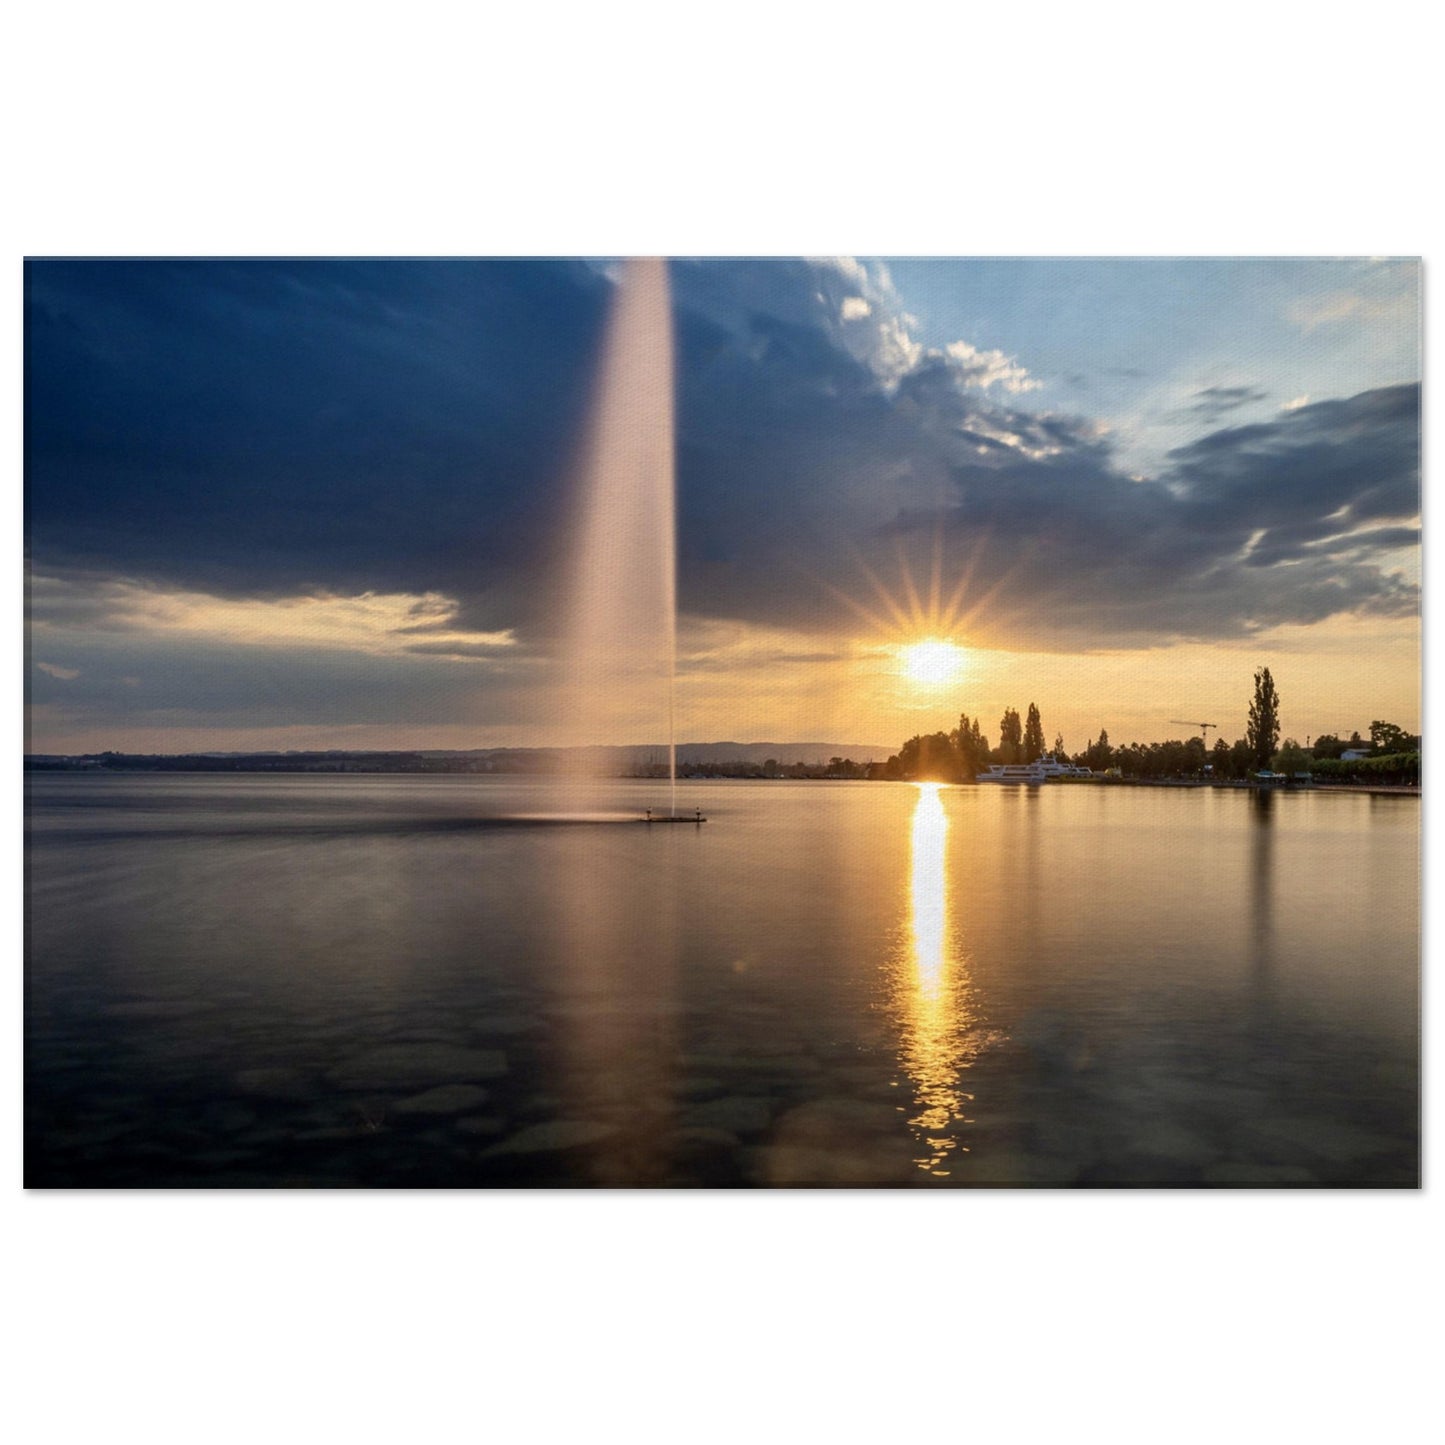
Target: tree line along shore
[{"x": 1390, "y": 756}]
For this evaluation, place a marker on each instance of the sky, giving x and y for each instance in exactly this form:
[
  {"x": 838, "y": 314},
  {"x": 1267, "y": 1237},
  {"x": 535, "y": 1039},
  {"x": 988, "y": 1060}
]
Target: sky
[{"x": 329, "y": 502}]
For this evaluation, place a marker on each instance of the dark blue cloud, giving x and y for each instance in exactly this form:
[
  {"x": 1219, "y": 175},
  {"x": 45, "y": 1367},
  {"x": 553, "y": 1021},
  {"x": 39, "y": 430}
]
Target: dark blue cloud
[
  {"x": 1359, "y": 455},
  {"x": 268, "y": 425}
]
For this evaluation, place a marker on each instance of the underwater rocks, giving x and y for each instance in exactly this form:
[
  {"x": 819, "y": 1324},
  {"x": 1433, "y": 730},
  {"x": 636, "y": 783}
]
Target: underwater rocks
[
  {"x": 416, "y": 1066},
  {"x": 554, "y": 1136},
  {"x": 444, "y": 1099}
]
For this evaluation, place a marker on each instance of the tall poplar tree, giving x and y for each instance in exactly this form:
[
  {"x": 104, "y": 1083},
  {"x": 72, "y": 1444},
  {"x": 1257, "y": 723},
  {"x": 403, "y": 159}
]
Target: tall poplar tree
[
  {"x": 1263, "y": 731},
  {"x": 1010, "y": 735},
  {"x": 1033, "y": 735}
]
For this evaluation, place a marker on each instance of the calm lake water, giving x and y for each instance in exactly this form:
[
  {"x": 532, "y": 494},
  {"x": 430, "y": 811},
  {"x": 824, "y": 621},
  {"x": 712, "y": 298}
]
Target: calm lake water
[{"x": 312, "y": 980}]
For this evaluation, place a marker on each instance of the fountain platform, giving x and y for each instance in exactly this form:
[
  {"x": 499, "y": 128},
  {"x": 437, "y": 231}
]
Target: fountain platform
[{"x": 680, "y": 818}]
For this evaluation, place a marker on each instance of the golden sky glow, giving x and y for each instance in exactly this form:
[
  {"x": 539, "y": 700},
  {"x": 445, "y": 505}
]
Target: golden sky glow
[{"x": 735, "y": 680}]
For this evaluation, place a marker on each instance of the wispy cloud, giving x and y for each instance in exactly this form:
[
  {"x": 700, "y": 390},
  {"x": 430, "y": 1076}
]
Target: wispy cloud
[
  {"x": 370, "y": 623},
  {"x": 1338, "y": 307},
  {"x": 1211, "y": 403}
]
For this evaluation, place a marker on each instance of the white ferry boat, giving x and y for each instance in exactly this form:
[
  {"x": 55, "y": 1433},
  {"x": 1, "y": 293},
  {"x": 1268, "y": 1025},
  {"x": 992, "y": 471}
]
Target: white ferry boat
[
  {"x": 1029, "y": 773},
  {"x": 1043, "y": 770}
]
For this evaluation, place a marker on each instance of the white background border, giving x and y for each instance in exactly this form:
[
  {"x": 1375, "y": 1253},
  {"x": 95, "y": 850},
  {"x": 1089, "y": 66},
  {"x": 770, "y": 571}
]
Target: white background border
[{"x": 792, "y": 129}]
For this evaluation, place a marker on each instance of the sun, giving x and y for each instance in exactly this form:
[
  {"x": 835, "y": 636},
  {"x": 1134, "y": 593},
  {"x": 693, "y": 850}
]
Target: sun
[
  {"x": 916, "y": 624},
  {"x": 934, "y": 660}
]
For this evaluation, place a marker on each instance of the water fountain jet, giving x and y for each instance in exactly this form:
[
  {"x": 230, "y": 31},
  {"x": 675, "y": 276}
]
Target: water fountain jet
[{"x": 619, "y": 654}]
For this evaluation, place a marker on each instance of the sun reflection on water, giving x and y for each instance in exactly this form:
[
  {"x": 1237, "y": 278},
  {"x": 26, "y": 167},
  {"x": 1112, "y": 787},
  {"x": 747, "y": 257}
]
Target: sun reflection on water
[{"x": 932, "y": 993}]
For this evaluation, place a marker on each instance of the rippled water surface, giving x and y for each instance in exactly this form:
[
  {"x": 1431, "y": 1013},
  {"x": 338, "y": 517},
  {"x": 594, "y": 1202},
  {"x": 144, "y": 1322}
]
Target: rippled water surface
[{"x": 410, "y": 981}]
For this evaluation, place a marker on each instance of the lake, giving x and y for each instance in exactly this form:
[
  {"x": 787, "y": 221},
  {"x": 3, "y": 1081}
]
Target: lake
[{"x": 254, "y": 980}]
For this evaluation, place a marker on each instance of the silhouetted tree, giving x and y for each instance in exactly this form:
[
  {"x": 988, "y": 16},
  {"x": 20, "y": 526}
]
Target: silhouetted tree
[
  {"x": 1010, "y": 736},
  {"x": 1386, "y": 738},
  {"x": 929, "y": 758},
  {"x": 1219, "y": 759},
  {"x": 1099, "y": 755},
  {"x": 978, "y": 745},
  {"x": 1168, "y": 760},
  {"x": 1033, "y": 735},
  {"x": 1263, "y": 730},
  {"x": 1291, "y": 758},
  {"x": 970, "y": 745}
]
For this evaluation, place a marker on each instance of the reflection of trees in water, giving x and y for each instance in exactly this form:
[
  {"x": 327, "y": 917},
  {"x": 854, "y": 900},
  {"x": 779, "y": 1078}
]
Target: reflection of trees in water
[
  {"x": 1261, "y": 907},
  {"x": 939, "y": 1035}
]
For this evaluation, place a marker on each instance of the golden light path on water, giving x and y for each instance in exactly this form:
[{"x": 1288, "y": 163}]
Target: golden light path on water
[{"x": 932, "y": 992}]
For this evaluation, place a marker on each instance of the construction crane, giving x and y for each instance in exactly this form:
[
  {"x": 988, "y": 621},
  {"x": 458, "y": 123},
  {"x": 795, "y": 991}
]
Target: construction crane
[{"x": 1203, "y": 727}]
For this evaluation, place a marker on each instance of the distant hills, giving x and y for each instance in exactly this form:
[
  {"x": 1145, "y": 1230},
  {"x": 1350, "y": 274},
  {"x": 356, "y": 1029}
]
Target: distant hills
[
  {"x": 630, "y": 759},
  {"x": 642, "y": 754}
]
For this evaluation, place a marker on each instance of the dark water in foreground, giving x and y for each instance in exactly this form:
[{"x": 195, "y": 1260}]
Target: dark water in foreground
[{"x": 406, "y": 981}]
